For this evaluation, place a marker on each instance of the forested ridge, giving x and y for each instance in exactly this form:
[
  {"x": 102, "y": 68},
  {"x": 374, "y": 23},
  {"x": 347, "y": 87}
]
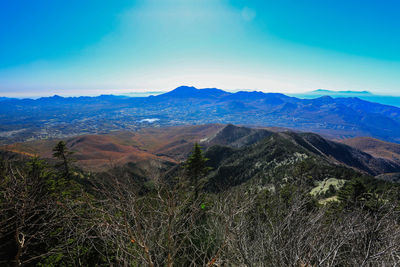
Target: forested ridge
[{"x": 284, "y": 207}]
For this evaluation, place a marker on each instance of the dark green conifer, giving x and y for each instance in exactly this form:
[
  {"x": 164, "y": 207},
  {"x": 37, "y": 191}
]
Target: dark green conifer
[
  {"x": 62, "y": 153},
  {"x": 195, "y": 167},
  {"x": 352, "y": 192}
]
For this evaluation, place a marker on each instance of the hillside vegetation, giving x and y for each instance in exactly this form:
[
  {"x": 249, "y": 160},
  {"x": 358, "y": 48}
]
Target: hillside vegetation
[
  {"x": 375, "y": 147},
  {"x": 278, "y": 201},
  {"x": 170, "y": 145}
]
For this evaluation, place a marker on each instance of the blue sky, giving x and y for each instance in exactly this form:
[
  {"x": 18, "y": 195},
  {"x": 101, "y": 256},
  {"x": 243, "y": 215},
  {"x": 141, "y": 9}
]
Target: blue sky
[{"x": 99, "y": 46}]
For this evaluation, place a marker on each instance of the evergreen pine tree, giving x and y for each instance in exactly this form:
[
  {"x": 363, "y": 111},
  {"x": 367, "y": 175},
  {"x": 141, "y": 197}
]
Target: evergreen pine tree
[
  {"x": 352, "y": 192},
  {"x": 196, "y": 168},
  {"x": 61, "y": 152}
]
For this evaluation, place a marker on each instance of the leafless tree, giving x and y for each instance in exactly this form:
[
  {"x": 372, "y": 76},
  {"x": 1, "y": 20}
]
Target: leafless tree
[
  {"x": 41, "y": 217},
  {"x": 147, "y": 229},
  {"x": 28, "y": 216},
  {"x": 278, "y": 233}
]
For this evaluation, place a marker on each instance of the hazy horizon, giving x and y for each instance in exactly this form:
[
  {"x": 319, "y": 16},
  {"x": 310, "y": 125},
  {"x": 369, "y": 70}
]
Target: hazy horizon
[{"x": 144, "y": 93}]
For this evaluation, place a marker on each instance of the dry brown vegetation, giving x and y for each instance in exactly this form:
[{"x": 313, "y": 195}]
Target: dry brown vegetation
[
  {"x": 375, "y": 147},
  {"x": 100, "y": 152}
]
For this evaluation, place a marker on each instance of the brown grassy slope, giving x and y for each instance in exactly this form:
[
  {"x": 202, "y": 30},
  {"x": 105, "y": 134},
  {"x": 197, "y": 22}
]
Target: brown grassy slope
[
  {"x": 92, "y": 152},
  {"x": 41, "y": 148},
  {"x": 174, "y": 142},
  {"x": 375, "y": 147},
  {"x": 100, "y": 152}
]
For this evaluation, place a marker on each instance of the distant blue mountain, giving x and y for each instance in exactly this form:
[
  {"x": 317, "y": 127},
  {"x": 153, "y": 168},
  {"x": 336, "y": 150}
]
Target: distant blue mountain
[
  {"x": 329, "y": 92},
  {"x": 332, "y": 116},
  {"x": 365, "y": 95},
  {"x": 6, "y": 98},
  {"x": 192, "y": 92}
]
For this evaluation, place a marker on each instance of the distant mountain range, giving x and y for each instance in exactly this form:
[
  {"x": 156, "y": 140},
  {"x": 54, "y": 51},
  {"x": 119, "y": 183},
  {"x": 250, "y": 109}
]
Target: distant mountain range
[
  {"x": 364, "y": 95},
  {"x": 58, "y": 117},
  {"x": 330, "y": 92}
]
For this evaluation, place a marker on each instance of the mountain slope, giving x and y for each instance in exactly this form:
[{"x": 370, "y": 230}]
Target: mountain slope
[
  {"x": 292, "y": 158},
  {"x": 234, "y": 136},
  {"x": 91, "y": 152},
  {"x": 174, "y": 144},
  {"x": 270, "y": 161},
  {"x": 344, "y": 154},
  {"x": 100, "y": 152},
  {"x": 375, "y": 147}
]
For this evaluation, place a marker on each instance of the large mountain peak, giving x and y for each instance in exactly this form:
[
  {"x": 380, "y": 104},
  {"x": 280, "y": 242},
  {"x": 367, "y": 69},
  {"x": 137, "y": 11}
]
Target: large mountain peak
[
  {"x": 185, "y": 89},
  {"x": 193, "y": 92}
]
